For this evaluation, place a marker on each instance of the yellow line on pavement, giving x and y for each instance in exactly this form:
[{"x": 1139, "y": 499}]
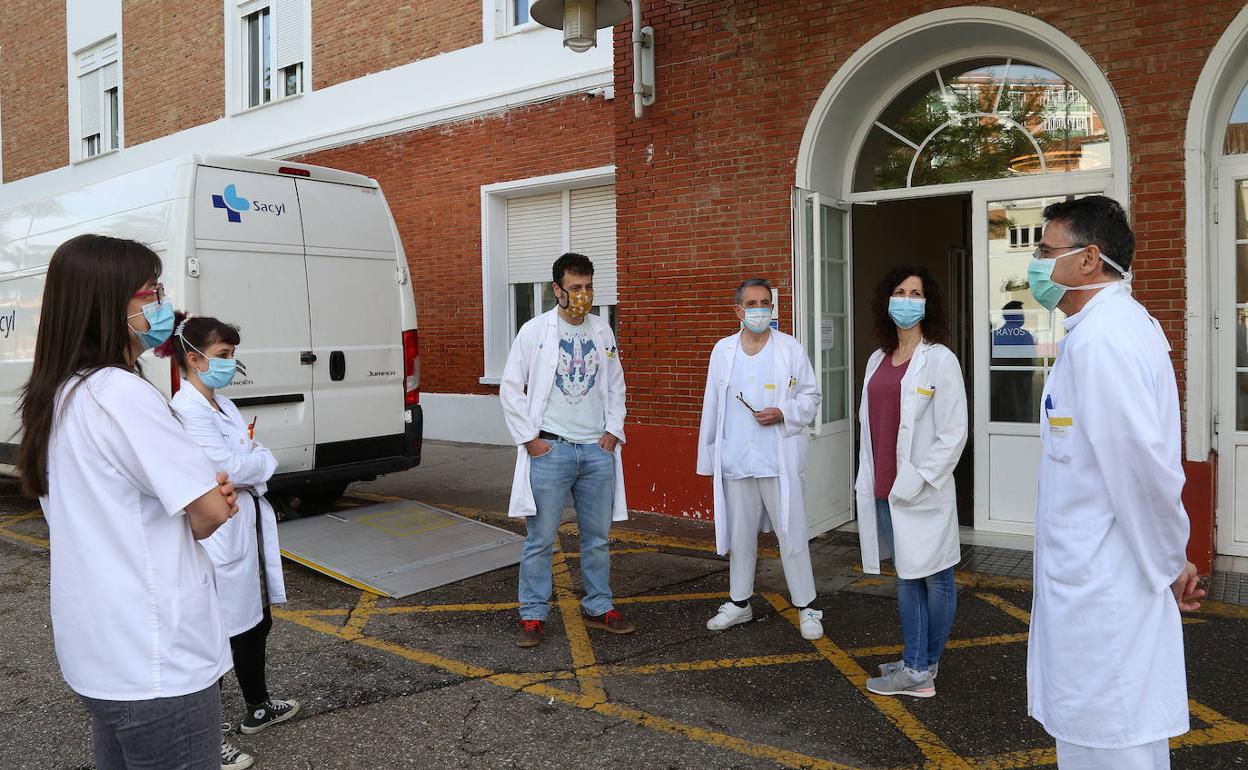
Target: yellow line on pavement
[
  {"x": 1012, "y": 760},
  {"x": 525, "y": 683},
  {"x": 418, "y": 608},
  {"x": 359, "y": 617},
  {"x": 583, "y": 658},
  {"x": 658, "y": 598},
  {"x": 953, "y": 644},
  {"x": 20, "y": 538},
  {"x": 1222, "y": 610},
  {"x": 614, "y": 552},
  {"x": 1006, "y": 606},
  {"x": 710, "y": 665},
  {"x": 938, "y": 754},
  {"x": 8, "y": 520},
  {"x": 1221, "y": 728}
]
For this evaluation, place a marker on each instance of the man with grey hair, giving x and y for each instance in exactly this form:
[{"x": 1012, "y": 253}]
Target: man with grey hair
[{"x": 761, "y": 393}]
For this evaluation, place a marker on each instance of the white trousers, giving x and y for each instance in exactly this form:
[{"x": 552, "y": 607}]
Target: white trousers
[
  {"x": 746, "y": 499},
  {"x": 1150, "y": 756}
]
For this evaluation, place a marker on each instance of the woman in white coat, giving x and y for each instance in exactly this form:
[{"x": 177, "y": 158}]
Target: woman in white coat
[
  {"x": 913, "y": 428},
  {"x": 244, "y": 552}
]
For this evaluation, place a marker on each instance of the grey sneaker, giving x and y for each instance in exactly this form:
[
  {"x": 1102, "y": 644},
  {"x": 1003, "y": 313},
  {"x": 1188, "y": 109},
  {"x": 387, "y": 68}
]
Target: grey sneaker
[
  {"x": 888, "y": 668},
  {"x": 916, "y": 684}
]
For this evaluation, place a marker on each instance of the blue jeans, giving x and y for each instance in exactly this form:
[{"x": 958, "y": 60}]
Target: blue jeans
[
  {"x": 180, "y": 733},
  {"x": 587, "y": 471},
  {"x": 927, "y": 605}
]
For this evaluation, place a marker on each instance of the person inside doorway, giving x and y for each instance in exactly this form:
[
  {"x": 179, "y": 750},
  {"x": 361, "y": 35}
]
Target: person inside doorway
[
  {"x": 244, "y": 552},
  {"x": 562, "y": 394},
  {"x": 761, "y": 394},
  {"x": 1013, "y": 392},
  {"x": 913, "y": 423},
  {"x": 1105, "y": 670}
]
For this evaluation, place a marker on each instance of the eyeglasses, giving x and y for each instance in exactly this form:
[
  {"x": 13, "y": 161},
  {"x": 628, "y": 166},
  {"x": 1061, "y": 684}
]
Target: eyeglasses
[
  {"x": 1042, "y": 251},
  {"x": 741, "y": 398},
  {"x": 158, "y": 291}
]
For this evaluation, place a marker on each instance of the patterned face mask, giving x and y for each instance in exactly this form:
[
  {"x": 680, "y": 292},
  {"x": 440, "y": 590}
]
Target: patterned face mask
[{"x": 579, "y": 303}]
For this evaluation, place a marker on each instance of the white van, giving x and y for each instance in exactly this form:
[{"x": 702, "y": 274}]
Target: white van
[{"x": 305, "y": 260}]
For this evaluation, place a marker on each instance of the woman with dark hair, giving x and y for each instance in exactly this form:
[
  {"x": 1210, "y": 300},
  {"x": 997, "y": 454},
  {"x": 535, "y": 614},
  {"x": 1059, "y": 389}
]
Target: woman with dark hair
[
  {"x": 245, "y": 550},
  {"x": 126, "y": 493},
  {"x": 913, "y": 427}
]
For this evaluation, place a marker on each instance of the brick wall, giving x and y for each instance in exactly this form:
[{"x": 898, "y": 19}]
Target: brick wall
[
  {"x": 704, "y": 179},
  {"x": 33, "y": 87},
  {"x": 352, "y": 38},
  {"x": 173, "y": 66},
  {"x": 432, "y": 180}
]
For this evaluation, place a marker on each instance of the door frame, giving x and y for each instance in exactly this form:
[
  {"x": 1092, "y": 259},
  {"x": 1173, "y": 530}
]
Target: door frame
[{"x": 1226, "y": 438}]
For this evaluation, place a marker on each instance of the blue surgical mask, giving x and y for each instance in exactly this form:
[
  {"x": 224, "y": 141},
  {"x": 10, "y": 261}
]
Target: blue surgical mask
[
  {"x": 159, "y": 317},
  {"x": 1049, "y": 292},
  {"x": 220, "y": 373},
  {"x": 906, "y": 311},
  {"x": 757, "y": 319}
]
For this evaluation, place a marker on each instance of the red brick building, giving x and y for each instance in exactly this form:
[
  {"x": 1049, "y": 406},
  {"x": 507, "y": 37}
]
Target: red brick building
[{"x": 816, "y": 143}]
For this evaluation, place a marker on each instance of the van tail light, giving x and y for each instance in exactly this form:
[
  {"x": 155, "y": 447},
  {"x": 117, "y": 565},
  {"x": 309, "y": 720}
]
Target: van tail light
[{"x": 411, "y": 368}]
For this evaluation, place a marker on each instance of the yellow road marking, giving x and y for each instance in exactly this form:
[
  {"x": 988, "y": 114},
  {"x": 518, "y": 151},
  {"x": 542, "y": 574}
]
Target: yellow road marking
[
  {"x": 583, "y": 658},
  {"x": 938, "y": 754},
  {"x": 1016, "y": 759},
  {"x": 525, "y": 683},
  {"x": 1221, "y": 729},
  {"x": 979, "y": 641},
  {"x": 1222, "y": 610},
  {"x": 8, "y": 520},
  {"x": 614, "y": 552},
  {"x": 8, "y": 534},
  {"x": 710, "y": 665},
  {"x": 1006, "y": 606},
  {"x": 655, "y": 598},
  {"x": 359, "y": 617}
]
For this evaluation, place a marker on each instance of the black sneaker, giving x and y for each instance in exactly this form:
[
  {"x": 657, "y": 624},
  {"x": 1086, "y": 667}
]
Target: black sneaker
[
  {"x": 231, "y": 757},
  {"x": 267, "y": 714}
]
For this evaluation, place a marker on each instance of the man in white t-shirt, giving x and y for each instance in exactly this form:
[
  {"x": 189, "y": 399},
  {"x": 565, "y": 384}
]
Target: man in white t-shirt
[{"x": 563, "y": 397}]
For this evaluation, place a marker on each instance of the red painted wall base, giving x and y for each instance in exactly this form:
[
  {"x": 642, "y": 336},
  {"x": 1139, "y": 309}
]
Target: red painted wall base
[{"x": 1198, "y": 497}]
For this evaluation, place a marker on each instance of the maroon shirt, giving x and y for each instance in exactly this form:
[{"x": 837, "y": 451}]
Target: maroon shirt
[{"x": 884, "y": 414}]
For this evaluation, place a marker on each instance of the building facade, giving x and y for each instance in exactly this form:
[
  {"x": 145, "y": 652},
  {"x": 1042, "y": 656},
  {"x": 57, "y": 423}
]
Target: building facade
[{"x": 817, "y": 143}]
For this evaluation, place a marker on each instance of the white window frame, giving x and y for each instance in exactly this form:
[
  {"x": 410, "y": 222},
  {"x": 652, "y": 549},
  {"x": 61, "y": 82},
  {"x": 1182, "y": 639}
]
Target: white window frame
[
  {"x": 504, "y": 18},
  {"x": 94, "y": 58},
  {"x": 237, "y": 75},
  {"x": 498, "y": 311}
]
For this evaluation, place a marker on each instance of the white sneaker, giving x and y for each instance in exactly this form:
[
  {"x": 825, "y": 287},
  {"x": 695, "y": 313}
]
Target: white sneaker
[
  {"x": 811, "y": 623},
  {"x": 730, "y": 615}
]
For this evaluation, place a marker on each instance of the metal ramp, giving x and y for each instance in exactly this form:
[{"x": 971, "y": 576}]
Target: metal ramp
[{"x": 399, "y": 548}]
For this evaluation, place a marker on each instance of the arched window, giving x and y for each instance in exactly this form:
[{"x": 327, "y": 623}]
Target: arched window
[
  {"x": 1236, "y": 141},
  {"x": 982, "y": 119}
]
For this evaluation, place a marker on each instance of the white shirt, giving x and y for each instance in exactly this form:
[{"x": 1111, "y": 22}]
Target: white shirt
[
  {"x": 1105, "y": 662},
  {"x": 751, "y": 450},
  {"x": 134, "y": 608},
  {"x": 233, "y": 548},
  {"x": 574, "y": 410}
]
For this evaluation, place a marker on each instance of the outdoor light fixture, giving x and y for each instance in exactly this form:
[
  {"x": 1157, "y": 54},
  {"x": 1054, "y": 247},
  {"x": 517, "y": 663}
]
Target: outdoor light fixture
[{"x": 580, "y": 21}]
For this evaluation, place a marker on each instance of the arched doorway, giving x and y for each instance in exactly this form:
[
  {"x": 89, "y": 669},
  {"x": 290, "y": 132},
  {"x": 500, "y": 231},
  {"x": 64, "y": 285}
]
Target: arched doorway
[
  {"x": 917, "y": 154},
  {"x": 1217, "y": 265}
]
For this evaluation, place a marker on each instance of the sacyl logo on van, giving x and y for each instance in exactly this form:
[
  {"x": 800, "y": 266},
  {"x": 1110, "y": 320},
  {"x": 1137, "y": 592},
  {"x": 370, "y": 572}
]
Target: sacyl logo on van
[{"x": 235, "y": 204}]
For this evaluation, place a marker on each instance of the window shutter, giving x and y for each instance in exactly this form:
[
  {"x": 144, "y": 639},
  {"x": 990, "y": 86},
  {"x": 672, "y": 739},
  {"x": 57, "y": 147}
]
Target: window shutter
[
  {"x": 534, "y": 237},
  {"x": 593, "y": 234},
  {"x": 289, "y": 30},
  {"x": 108, "y": 77},
  {"x": 89, "y": 88}
]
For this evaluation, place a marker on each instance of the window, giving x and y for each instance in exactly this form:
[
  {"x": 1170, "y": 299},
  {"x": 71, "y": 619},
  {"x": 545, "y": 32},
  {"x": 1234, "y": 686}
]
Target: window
[
  {"x": 982, "y": 119},
  {"x": 513, "y": 16},
  {"x": 98, "y": 100},
  {"x": 540, "y": 228},
  {"x": 272, "y": 51},
  {"x": 1025, "y": 236}
]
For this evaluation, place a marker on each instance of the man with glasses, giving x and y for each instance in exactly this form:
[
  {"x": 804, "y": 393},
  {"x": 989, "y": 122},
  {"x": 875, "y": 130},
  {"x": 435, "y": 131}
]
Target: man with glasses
[
  {"x": 563, "y": 398},
  {"x": 1105, "y": 670},
  {"x": 760, "y": 396}
]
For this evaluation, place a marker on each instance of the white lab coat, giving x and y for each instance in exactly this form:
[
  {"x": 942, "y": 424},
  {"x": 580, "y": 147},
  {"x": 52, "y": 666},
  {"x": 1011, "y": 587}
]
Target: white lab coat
[
  {"x": 797, "y": 397},
  {"x": 135, "y": 615},
  {"x": 525, "y": 389},
  {"x": 1105, "y": 655},
  {"x": 923, "y": 500},
  {"x": 233, "y": 548}
]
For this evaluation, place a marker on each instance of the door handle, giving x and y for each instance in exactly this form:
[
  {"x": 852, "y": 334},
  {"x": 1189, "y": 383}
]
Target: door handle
[
  {"x": 307, "y": 357},
  {"x": 337, "y": 365}
]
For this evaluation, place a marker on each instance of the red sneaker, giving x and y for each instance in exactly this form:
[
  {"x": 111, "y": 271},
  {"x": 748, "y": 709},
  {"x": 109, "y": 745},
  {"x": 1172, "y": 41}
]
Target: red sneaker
[{"x": 530, "y": 633}]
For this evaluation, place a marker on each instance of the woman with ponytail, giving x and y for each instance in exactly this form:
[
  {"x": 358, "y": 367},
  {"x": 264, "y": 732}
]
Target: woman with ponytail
[
  {"x": 126, "y": 493},
  {"x": 244, "y": 551}
]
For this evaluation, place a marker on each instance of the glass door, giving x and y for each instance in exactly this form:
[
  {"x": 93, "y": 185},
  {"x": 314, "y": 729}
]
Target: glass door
[
  {"x": 1231, "y": 356},
  {"x": 822, "y": 313}
]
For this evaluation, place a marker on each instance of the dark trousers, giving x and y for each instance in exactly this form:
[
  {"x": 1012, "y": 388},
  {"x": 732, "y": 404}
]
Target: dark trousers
[
  {"x": 180, "y": 733},
  {"x": 248, "y": 651}
]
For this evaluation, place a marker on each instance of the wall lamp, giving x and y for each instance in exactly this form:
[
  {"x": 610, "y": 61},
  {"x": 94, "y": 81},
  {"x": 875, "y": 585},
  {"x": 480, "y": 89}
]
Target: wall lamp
[{"x": 580, "y": 21}]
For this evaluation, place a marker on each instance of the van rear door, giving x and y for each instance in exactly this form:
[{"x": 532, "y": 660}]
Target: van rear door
[
  {"x": 353, "y": 288},
  {"x": 249, "y": 256}
]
